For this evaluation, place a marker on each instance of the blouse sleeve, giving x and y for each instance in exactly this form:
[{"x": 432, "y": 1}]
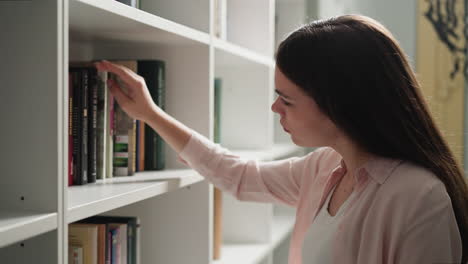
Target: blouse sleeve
[
  {"x": 432, "y": 235},
  {"x": 247, "y": 180}
]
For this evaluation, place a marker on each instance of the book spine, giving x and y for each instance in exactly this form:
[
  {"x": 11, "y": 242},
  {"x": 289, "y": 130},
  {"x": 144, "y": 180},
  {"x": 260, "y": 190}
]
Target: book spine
[
  {"x": 133, "y": 150},
  {"x": 84, "y": 126},
  {"x": 217, "y": 110},
  {"x": 121, "y": 151},
  {"x": 115, "y": 247},
  {"x": 110, "y": 135},
  {"x": 141, "y": 150},
  {"x": 92, "y": 124},
  {"x": 161, "y": 102},
  {"x": 101, "y": 126},
  {"x": 137, "y": 147},
  {"x": 76, "y": 127},
  {"x": 76, "y": 255},
  {"x": 124, "y": 124},
  {"x": 108, "y": 245},
  {"x": 70, "y": 129},
  {"x": 153, "y": 71}
]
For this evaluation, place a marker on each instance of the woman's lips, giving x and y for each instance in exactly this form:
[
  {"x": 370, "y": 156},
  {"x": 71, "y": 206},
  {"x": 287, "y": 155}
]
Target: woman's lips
[{"x": 284, "y": 128}]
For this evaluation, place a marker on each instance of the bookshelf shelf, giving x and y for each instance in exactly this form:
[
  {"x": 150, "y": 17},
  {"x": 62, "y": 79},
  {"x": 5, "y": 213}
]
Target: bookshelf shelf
[
  {"x": 229, "y": 54},
  {"x": 246, "y": 253},
  {"x": 108, "y": 21},
  {"x": 108, "y": 194},
  {"x": 18, "y": 225},
  {"x": 254, "y": 253}
]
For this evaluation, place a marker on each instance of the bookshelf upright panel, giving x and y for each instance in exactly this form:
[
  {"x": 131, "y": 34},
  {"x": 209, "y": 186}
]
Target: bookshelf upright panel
[
  {"x": 32, "y": 135},
  {"x": 30, "y": 106}
]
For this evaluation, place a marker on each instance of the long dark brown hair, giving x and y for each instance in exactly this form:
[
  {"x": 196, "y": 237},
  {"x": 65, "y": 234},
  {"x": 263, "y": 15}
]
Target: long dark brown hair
[{"x": 360, "y": 78}]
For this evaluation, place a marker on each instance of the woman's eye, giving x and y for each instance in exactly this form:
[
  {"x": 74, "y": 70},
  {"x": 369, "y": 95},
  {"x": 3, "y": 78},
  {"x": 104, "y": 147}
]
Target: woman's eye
[{"x": 285, "y": 103}]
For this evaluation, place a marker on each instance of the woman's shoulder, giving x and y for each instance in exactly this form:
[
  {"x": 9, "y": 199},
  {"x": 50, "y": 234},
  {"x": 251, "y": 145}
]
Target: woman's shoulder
[
  {"x": 415, "y": 184},
  {"x": 323, "y": 160}
]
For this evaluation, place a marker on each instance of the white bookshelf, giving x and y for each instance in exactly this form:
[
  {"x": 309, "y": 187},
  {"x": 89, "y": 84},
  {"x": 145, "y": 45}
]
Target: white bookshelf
[
  {"x": 19, "y": 225},
  {"x": 175, "y": 206},
  {"x": 255, "y": 253},
  {"x": 108, "y": 194}
]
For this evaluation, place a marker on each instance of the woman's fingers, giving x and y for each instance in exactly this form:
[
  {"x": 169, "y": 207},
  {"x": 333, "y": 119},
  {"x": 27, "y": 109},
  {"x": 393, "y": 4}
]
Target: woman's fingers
[
  {"x": 127, "y": 75},
  {"x": 117, "y": 92}
]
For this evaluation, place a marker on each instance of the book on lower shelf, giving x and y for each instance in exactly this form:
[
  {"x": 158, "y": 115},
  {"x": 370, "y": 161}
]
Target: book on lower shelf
[
  {"x": 85, "y": 236},
  {"x": 105, "y": 240},
  {"x": 75, "y": 254},
  {"x": 104, "y": 141},
  {"x": 218, "y": 195}
]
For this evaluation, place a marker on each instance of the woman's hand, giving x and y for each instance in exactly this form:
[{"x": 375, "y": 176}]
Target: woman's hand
[{"x": 136, "y": 101}]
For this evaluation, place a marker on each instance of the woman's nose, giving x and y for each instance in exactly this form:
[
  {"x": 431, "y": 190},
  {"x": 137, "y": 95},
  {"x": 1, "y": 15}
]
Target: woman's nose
[{"x": 274, "y": 106}]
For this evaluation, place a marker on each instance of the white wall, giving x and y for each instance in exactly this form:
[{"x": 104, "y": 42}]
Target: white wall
[{"x": 399, "y": 16}]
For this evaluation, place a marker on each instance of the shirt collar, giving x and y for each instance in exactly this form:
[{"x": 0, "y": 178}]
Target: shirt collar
[{"x": 377, "y": 168}]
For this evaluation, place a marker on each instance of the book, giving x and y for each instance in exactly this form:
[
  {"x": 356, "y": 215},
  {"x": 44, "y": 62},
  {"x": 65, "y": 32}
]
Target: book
[
  {"x": 153, "y": 71},
  {"x": 110, "y": 136},
  {"x": 83, "y": 98},
  {"x": 101, "y": 126},
  {"x": 75, "y": 254},
  {"x": 92, "y": 122},
  {"x": 115, "y": 245},
  {"x": 121, "y": 238},
  {"x": 79, "y": 126},
  {"x": 70, "y": 129},
  {"x": 218, "y": 195},
  {"x": 140, "y": 146},
  {"x": 124, "y": 129},
  {"x": 87, "y": 236},
  {"x": 217, "y": 110}
]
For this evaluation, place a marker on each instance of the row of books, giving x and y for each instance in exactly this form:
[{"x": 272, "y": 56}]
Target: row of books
[
  {"x": 104, "y": 240},
  {"x": 103, "y": 140}
]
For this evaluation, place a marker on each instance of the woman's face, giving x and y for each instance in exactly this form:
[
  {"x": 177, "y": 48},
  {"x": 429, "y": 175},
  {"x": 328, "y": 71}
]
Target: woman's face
[{"x": 300, "y": 116}]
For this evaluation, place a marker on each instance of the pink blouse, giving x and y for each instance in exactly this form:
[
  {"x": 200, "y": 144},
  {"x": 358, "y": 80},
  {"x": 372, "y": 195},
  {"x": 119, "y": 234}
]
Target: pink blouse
[{"x": 400, "y": 213}]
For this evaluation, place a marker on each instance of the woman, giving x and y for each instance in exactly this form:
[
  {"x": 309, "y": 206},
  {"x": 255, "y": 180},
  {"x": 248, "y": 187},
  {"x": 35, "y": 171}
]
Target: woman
[{"x": 383, "y": 186}]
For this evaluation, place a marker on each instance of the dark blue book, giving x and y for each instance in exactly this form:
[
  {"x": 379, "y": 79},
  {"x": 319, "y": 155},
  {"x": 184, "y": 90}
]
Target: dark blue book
[{"x": 153, "y": 71}]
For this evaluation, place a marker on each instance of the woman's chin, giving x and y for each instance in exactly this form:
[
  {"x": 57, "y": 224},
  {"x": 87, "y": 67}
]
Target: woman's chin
[
  {"x": 300, "y": 143},
  {"x": 295, "y": 140}
]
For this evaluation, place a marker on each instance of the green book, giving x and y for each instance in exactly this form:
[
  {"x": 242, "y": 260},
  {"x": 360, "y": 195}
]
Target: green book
[
  {"x": 217, "y": 110},
  {"x": 153, "y": 71}
]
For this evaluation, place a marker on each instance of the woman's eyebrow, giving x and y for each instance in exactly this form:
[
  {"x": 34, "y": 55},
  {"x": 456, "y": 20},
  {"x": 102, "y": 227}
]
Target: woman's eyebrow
[{"x": 282, "y": 94}]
